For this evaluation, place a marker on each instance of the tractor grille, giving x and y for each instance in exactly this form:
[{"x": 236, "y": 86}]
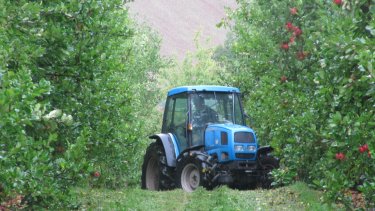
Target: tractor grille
[
  {"x": 245, "y": 155},
  {"x": 244, "y": 137}
]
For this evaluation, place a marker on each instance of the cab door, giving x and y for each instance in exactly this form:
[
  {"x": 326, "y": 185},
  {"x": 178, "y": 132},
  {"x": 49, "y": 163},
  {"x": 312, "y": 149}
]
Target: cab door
[{"x": 176, "y": 118}]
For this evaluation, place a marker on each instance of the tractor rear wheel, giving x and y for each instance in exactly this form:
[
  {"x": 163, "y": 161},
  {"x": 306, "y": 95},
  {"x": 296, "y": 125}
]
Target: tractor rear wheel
[
  {"x": 189, "y": 174},
  {"x": 156, "y": 175},
  {"x": 267, "y": 165}
]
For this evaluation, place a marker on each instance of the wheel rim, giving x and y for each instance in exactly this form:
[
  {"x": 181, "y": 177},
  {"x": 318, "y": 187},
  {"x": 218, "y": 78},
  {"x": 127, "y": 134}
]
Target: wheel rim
[
  {"x": 190, "y": 178},
  {"x": 152, "y": 174}
]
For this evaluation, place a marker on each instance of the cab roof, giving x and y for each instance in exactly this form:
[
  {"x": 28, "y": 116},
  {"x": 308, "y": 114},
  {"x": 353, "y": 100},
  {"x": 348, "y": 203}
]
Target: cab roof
[{"x": 202, "y": 88}]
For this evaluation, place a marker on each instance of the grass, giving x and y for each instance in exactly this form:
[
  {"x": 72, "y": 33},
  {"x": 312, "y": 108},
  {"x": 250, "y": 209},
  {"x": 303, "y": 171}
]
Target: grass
[{"x": 294, "y": 197}]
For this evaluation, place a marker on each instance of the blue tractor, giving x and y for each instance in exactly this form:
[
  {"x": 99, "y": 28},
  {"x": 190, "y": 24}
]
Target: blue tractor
[{"x": 205, "y": 142}]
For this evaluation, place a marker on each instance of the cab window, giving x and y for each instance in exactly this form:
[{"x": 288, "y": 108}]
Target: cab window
[{"x": 175, "y": 119}]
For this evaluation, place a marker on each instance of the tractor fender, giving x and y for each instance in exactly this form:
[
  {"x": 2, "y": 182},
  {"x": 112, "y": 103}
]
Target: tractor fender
[
  {"x": 264, "y": 150},
  {"x": 169, "y": 147}
]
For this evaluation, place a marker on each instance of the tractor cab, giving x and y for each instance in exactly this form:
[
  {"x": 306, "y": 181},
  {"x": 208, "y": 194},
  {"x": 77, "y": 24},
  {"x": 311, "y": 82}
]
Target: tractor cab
[{"x": 190, "y": 110}]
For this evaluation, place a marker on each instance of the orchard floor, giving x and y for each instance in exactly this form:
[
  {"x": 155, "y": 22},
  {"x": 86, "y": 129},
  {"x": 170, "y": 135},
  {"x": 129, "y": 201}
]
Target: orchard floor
[{"x": 294, "y": 197}]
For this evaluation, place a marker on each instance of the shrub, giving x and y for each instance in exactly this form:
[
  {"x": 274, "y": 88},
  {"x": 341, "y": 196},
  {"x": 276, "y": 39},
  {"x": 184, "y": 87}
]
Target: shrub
[
  {"x": 70, "y": 79},
  {"x": 306, "y": 69}
]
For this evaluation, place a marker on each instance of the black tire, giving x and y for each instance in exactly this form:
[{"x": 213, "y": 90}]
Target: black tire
[
  {"x": 189, "y": 174},
  {"x": 156, "y": 175},
  {"x": 267, "y": 164}
]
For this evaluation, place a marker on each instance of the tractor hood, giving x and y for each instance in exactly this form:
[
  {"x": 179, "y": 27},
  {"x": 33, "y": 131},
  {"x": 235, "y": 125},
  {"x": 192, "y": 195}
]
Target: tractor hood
[
  {"x": 229, "y": 127},
  {"x": 229, "y": 142}
]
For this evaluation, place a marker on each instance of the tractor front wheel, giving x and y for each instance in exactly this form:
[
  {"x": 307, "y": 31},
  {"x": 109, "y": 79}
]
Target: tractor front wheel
[
  {"x": 267, "y": 165},
  {"x": 156, "y": 175},
  {"x": 189, "y": 174}
]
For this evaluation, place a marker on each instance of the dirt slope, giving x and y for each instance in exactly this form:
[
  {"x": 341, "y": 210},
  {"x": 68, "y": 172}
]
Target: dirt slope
[{"x": 178, "y": 21}]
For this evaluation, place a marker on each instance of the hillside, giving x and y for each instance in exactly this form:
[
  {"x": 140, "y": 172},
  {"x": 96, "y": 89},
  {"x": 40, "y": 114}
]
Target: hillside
[{"x": 179, "y": 21}]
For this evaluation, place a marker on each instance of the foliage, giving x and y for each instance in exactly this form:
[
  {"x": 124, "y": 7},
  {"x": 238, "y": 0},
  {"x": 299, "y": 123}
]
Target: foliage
[
  {"x": 70, "y": 83},
  {"x": 306, "y": 68},
  {"x": 196, "y": 69}
]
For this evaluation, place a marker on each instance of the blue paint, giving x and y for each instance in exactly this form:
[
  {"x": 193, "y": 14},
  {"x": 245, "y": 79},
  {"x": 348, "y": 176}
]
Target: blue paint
[
  {"x": 202, "y": 88},
  {"x": 214, "y": 146}
]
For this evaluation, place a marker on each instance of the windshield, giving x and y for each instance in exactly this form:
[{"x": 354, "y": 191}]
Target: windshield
[{"x": 213, "y": 107}]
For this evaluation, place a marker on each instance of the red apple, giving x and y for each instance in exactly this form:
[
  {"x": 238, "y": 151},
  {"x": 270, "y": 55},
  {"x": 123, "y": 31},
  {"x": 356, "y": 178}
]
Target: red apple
[
  {"x": 293, "y": 11},
  {"x": 283, "y": 79},
  {"x": 96, "y": 174},
  {"x": 337, "y": 2}
]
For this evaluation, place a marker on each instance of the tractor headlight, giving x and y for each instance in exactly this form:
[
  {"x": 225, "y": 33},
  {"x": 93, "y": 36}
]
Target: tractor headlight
[
  {"x": 251, "y": 148},
  {"x": 238, "y": 148}
]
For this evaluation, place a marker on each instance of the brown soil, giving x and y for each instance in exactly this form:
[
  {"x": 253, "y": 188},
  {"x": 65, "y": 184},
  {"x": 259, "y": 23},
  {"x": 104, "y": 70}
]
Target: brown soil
[{"x": 178, "y": 21}]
